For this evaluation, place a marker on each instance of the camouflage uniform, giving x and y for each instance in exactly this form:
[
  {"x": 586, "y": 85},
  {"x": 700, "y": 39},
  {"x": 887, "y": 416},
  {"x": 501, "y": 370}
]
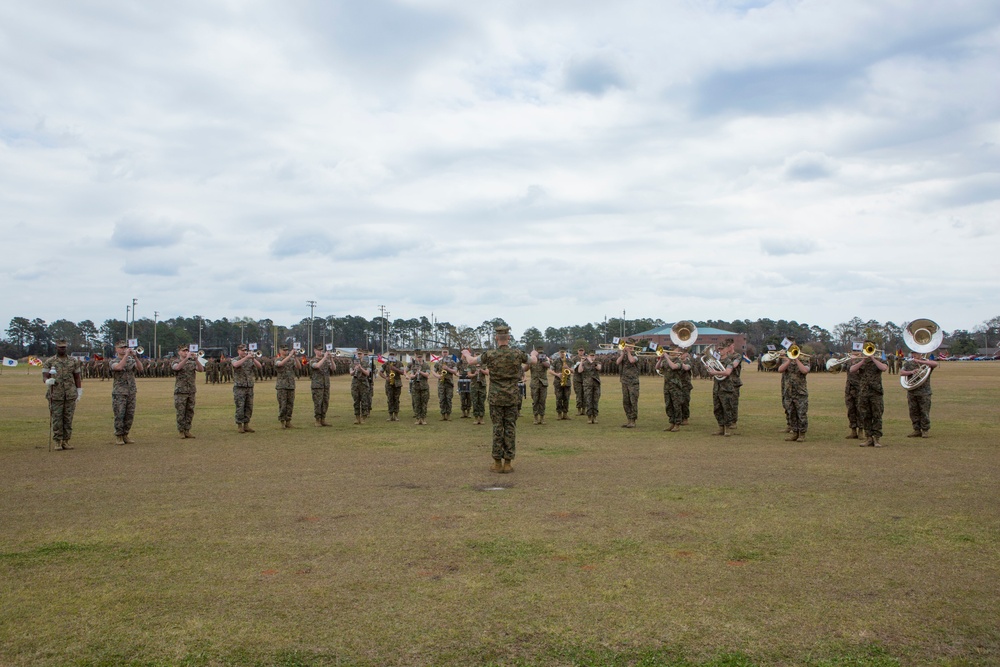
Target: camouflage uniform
[
  {"x": 284, "y": 387},
  {"x": 420, "y": 392},
  {"x": 393, "y": 387},
  {"x": 123, "y": 396},
  {"x": 581, "y": 403},
  {"x": 686, "y": 386},
  {"x": 62, "y": 395},
  {"x": 562, "y": 392},
  {"x": 505, "y": 366},
  {"x": 725, "y": 397},
  {"x": 736, "y": 358},
  {"x": 319, "y": 383},
  {"x": 919, "y": 401},
  {"x": 870, "y": 404},
  {"x": 629, "y": 374},
  {"x": 539, "y": 388},
  {"x": 446, "y": 386},
  {"x": 795, "y": 395},
  {"x": 785, "y": 402},
  {"x": 185, "y": 387},
  {"x": 243, "y": 381},
  {"x": 464, "y": 396},
  {"x": 478, "y": 393},
  {"x": 852, "y": 390},
  {"x": 673, "y": 394},
  {"x": 360, "y": 392},
  {"x": 591, "y": 388}
]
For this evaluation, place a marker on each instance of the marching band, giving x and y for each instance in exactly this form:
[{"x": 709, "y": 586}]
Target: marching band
[{"x": 477, "y": 387}]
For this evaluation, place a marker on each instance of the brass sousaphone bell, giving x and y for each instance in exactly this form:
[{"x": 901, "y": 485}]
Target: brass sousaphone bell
[{"x": 921, "y": 336}]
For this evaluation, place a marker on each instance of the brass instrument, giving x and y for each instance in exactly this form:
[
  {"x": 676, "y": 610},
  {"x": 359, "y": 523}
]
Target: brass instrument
[
  {"x": 836, "y": 364},
  {"x": 564, "y": 376},
  {"x": 622, "y": 345},
  {"x": 683, "y": 334},
  {"x": 921, "y": 336},
  {"x": 670, "y": 352},
  {"x": 772, "y": 359},
  {"x": 795, "y": 352},
  {"x": 712, "y": 363}
]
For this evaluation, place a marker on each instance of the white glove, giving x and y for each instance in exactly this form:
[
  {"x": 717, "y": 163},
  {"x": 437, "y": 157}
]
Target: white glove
[
  {"x": 79, "y": 393},
  {"x": 50, "y": 381}
]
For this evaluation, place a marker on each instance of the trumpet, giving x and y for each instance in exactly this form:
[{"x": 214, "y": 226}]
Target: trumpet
[{"x": 138, "y": 349}]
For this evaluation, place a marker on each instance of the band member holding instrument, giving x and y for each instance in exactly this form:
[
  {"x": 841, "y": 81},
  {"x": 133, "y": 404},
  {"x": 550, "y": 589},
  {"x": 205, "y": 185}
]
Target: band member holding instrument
[
  {"x": 852, "y": 391},
  {"x": 63, "y": 379},
  {"x": 870, "y": 404},
  {"x": 392, "y": 371},
  {"x": 359, "y": 388},
  {"x": 505, "y": 365},
  {"x": 795, "y": 395},
  {"x": 320, "y": 367},
  {"x": 464, "y": 387},
  {"x": 628, "y": 371},
  {"x": 724, "y": 396},
  {"x": 581, "y": 405},
  {"x": 589, "y": 371},
  {"x": 243, "y": 381},
  {"x": 918, "y": 399},
  {"x": 186, "y": 370},
  {"x": 446, "y": 372},
  {"x": 284, "y": 384},
  {"x": 123, "y": 370},
  {"x": 480, "y": 382},
  {"x": 674, "y": 366},
  {"x": 539, "y": 384},
  {"x": 420, "y": 394},
  {"x": 561, "y": 372}
]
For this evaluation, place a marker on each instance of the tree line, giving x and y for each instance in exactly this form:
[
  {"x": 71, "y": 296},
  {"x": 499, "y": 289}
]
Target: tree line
[{"x": 35, "y": 336}]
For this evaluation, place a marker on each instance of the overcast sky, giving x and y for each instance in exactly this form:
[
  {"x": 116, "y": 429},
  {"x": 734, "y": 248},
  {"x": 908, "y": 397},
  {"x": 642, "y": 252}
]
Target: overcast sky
[{"x": 550, "y": 163}]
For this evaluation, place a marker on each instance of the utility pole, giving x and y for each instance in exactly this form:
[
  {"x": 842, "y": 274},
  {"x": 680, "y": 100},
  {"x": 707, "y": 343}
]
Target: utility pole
[
  {"x": 199, "y": 332},
  {"x": 623, "y": 323},
  {"x": 134, "y": 301},
  {"x": 381, "y": 331},
  {"x": 312, "y": 310},
  {"x": 243, "y": 326},
  {"x": 128, "y": 309},
  {"x": 156, "y": 315}
]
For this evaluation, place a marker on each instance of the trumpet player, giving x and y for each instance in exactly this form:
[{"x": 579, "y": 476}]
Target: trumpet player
[
  {"x": 186, "y": 370},
  {"x": 479, "y": 375},
  {"x": 589, "y": 371},
  {"x": 63, "y": 388},
  {"x": 123, "y": 370},
  {"x": 320, "y": 367},
  {"x": 581, "y": 406},
  {"x": 628, "y": 371},
  {"x": 725, "y": 397},
  {"x": 539, "y": 369},
  {"x": 561, "y": 371},
  {"x": 676, "y": 369},
  {"x": 284, "y": 384},
  {"x": 243, "y": 381},
  {"x": 418, "y": 373},
  {"x": 870, "y": 404},
  {"x": 446, "y": 371},
  {"x": 392, "y": 371},
  {"x": 918, "y": 399},
  {"x": 359, "y": 388},
  {"x": 795, "y": 395}
]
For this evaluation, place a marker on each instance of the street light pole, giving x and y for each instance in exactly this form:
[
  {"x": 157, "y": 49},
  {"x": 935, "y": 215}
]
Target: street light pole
[
  {"x": 312, "y": 310},
  {"x": 134, "y": 301},
  {"x": 156, "y": 315},
  {"x": 128, "y": 309}
]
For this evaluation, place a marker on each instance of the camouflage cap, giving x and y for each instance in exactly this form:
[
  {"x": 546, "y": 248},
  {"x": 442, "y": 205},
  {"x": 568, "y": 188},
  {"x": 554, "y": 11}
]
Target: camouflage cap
[
  {"x": 539, "y": 348},
  {"x": 727, "y": 342},
  {"x": 61, "y": 342},
  {"x": 121, "y": 343},
  {"x": 283, "y": 347},
  {"x": 241, "y": 346},
  {"x": 502, "y": 330}
]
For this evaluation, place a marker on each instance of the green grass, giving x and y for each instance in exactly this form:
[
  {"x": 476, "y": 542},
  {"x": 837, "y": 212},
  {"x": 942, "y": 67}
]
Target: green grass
[{"x": 392, "y": 544}]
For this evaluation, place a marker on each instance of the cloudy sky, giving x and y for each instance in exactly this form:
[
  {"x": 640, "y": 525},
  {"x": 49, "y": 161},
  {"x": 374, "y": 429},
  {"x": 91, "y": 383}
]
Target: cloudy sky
[{"x": 550, "y": 163}]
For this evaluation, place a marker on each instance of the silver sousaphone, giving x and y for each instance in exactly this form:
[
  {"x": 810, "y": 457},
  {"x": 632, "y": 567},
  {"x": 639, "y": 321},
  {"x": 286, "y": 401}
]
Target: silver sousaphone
[{"x": 923, "y": 336}]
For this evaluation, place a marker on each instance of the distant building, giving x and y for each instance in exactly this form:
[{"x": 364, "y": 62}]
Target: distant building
[{"x": 707, "y": 337}]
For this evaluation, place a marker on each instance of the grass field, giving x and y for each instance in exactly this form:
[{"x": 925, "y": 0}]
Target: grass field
[{"x": 392, "y": 544}]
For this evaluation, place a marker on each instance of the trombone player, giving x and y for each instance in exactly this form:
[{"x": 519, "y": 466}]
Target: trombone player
[
  {"x": 628, "y": 370},
  {"x": 869, "y": 371},
  {"x": 795, "y": 392}
]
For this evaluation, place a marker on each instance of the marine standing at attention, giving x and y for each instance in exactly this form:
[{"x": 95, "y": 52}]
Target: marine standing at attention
[{"x": 63, "y": 388}]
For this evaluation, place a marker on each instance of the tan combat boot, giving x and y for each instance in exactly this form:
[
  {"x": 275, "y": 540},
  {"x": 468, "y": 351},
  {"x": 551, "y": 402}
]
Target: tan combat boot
[
  {"x": 508, "y": 466},
  {"x": 324, "y": 422},
  {"x": 721, "y": 431},
  {"x": 187, "y": 434},
  {"x": 119, "y": 440},
  {"x": 915, "y": 434},
  {"x": 357, "y": 419},
  {"x": 674, "y": 428},
  {"x": 925, "y": 434},
  {"x": 497, "y": 465},
  {"x": 802, "y": 436},
  {"x": 239, "y": 429},
  {"x": 792, "y": 438},
  {"x": 319, "y": 422},
  {"x": 65, "y": 444},
  {"x": 128, "y": 440},
  {"x": 684, "y": 423},
  {"x": 853, "y": 435},
  {"x": 247, "y": 429},
  {"x": 727, "y": 431}
]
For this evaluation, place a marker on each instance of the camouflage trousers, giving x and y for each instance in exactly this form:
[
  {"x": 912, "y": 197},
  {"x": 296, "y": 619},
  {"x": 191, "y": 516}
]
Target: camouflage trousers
[
  {"x": 184, "y": 405},
  {"x": 466, "y": 400},
  {"x": 420, "y": 397},
  {"x": 581, "y": 403},
  {"x": 539, "y": 392},
  {"x": 797, "y": 413},
  {"x": 392, "y": 398},
  {"x": 870, "y": 409},
  {"x": 61, "y": 413},
  {"x": 562, "y": 397},
  {"x": 445, "y": 393},
  {"x": 920, "y": 411},
  {"x": 724, "y": 406},
  {"x": 243, "y": 398},
  {"x": 784, "y": 406},
  {"x": 504, "y": 418},
  {"x": 686, "y": 402},
  {"x": 630, "y": 400},
  {"x": 321, "y": 401},
  {"x": 591, "y": 398},
  {"x": 124, "y": 409},
  {"x": 478, "y": 400},
  {"x": 853, "y": 413},
  {"x": 286, "y": 403},
  {"x": 362, "y": 400},
  {"x": 673, "y": 400}
]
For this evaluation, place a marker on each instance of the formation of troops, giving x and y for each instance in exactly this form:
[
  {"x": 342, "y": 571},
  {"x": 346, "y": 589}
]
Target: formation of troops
[{"x": 501, "y": 378}]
